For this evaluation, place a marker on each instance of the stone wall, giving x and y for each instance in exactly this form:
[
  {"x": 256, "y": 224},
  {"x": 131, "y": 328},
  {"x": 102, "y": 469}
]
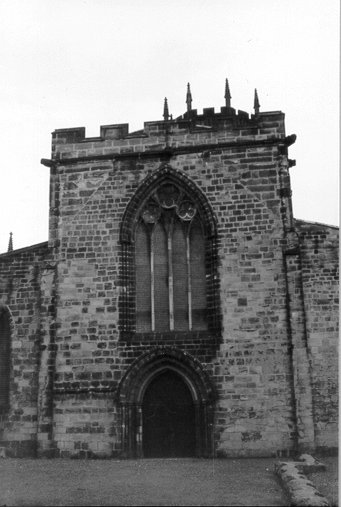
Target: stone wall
[
  {"x": 319, "y": 245},
  {"x": 20, "y": 293}
]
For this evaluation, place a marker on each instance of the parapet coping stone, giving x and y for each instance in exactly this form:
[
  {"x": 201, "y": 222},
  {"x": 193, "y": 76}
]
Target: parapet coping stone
[{"x": 301, "y": 491}]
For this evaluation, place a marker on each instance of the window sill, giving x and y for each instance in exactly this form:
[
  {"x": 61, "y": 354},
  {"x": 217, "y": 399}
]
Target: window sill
[{"x": 170, "y": 336}]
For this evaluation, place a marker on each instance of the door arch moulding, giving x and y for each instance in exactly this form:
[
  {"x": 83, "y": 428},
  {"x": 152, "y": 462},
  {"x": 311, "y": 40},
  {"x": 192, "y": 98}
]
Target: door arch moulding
[{"x": 135, "y": 382}]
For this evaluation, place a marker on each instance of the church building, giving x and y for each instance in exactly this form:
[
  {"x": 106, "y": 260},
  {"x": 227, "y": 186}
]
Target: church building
[{"x": 178, "y": 308}]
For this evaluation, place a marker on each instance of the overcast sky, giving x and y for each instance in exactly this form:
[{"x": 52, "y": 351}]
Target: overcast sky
[{"x": 72, "y": 63}]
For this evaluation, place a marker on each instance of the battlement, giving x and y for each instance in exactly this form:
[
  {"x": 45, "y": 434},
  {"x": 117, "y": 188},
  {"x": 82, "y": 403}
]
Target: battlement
[
  {"x": 210, "y": 111},
  {"x": 210, "y": 126},
  {"x": 226, "y": 118},
  {"x": 77, "y": 134}
]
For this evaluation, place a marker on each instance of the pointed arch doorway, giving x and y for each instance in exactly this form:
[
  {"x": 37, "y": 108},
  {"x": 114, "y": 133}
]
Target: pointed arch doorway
[
  {"x": 166, "y": 404},
  {"x": 168, "y": 417}
]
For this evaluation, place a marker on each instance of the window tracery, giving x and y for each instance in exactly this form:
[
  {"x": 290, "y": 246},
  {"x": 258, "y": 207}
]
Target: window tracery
[
  {"x": 170, "y": 263},
  {"x": 168, "y": 201}
]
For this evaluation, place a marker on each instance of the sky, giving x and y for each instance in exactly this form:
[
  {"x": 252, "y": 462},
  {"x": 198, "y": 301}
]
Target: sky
[{"x": 73, "y": 63}]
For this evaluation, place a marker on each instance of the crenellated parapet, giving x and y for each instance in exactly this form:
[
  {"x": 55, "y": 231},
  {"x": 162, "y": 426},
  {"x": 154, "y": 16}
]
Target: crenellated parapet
[
  {"x": 225, "y": 125},
  {"x": 226, "y": 118}
]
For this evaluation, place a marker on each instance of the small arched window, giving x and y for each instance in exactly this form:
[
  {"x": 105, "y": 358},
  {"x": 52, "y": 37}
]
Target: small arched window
[
  {"x": 170, "y": 263},
  {"x": 4, "y": 357}
]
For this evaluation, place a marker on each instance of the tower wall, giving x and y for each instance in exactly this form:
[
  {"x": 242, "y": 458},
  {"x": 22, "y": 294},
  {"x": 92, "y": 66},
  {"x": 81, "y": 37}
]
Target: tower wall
[{"x": 234, "y": 161}]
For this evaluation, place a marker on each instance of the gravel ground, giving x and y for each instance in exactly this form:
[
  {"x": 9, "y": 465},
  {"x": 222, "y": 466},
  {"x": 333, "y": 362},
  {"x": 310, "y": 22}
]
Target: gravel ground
[
  {"x": 327, "y": 482},
  {"x": 139, "y": 482}
]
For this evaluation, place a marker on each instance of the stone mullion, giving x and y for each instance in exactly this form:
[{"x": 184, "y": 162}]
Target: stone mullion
[
  {"x": 212, "y": 287},
  {"x": 126, "y": 298},
  {"x": 152, "y": 280},
  {"x": 170, "y": 278},
  {"x": 189, "y": 282},
  {"x": 131, "y": 290},
  {"x": 122, "y": 295}
]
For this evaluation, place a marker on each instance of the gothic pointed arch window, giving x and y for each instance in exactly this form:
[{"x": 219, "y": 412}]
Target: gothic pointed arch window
[
  {"x": 169, "y": 268},
  {"x": 170, "y": 263},
  {"x": 5, "y": 332}
]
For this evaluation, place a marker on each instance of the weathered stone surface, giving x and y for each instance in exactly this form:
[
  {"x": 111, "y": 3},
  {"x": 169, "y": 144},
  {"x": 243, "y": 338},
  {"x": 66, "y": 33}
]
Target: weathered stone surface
[
  {"x": 300, "y": 490},
  {"x": 270, "y": 348}
]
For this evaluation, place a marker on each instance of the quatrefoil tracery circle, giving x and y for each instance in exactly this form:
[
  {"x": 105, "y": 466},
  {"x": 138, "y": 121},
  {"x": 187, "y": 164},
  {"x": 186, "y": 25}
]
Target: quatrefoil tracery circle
[
  {"x": 168, "y": 196},
  {"x": 186, "y": 210},
  {"x": 151, "y": 213}
]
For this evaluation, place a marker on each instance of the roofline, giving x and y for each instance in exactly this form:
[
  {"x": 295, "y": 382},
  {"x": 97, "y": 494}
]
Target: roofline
[
  {"x": 24, "y": 249},
  {"x": 308, "y": 222}
]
